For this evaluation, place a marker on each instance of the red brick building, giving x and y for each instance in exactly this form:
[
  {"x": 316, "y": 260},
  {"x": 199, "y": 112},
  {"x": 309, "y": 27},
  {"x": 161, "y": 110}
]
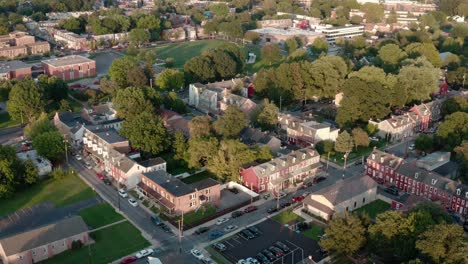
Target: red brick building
[
  {"x": 19, "y": 43},
  {"x": 10, "y": 70},
  {"x": 392, "y": 171},
  {"x": 70, "y": 67}
]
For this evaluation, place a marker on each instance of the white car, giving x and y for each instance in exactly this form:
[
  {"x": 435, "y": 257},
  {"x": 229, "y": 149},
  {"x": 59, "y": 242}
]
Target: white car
[
  {"x": 374, "y": 138},
  {"x": 133, "y": 202},
  {"x": 197, "y": 254},
  {"x": 144, "y": 253},
  {"x": 411, "y": 147},
  {"x": 88, "y": 166},
  {"x": 282, "y": 195},
  {"x": 222, "y": 220},
  {"x": 252, "y": 261},
  {"x": 78, "y": 157},
  {"x": 230, "y": 228},
  {"x": 123, "y": 193}
]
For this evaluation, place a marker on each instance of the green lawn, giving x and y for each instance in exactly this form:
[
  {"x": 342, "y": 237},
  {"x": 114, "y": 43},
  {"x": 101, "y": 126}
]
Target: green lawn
[
  {"x": 355, "y": 155},
  {"x": 314, "y": 232},
  {"x": 68, "y": 190},
  {"x": 199, "y": 176},
  {"x": 100, "y": 215},
  {"x": 287, "y": 217},
  {"x": 216, "y": 256},
  {"x": 174, "y": 167},
  {"x": 192, "y": 217},
  {"x": 6, "y": 121},
  {"x": 374, "y": 208},
  {"x": 111, "y": 243}
]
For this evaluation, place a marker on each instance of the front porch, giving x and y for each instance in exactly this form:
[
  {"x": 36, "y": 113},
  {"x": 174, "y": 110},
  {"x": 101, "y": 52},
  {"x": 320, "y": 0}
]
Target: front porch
[{"x": 156, "y": 198}]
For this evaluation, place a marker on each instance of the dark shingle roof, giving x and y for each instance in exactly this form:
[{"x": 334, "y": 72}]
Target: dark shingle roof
[
  {"x": 43, "y": 235},
  {"x": 109, "y": 135},
  {"x": 7, "y": 66},
  {"x": 170, "y": 183},
  {"x": 71, "y": 119},
  {"x": 347, "y": 189},
  {"x": 151, "y": 162},
  {"x": 203, "y": 184}
]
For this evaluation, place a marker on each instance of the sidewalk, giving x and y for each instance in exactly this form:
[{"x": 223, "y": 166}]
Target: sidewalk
[{"x": 106, "y": 226}]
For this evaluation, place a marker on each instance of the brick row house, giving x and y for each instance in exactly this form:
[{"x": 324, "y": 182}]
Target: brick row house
[
  {"x": 70, "y": 67},
  {"x": 19, "y": 43},
  {"x": 176, "y": 197},
  {"x": 70, "y": 39},
  {"x": 15, "y": 69},
  {"x": 282, "y": 172},
  {"x": 114, "y": 155},
  {"x": 392, "y": 171}
]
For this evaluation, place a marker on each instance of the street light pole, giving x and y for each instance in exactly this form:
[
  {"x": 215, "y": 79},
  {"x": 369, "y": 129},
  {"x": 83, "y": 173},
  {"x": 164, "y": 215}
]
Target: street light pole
[{"x": 344, "y": 165}]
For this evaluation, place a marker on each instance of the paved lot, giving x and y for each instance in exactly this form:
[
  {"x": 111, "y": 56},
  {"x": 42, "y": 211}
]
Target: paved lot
[
  {"x": 229, "y": 199},
  {"x": 301, "y": 246},
  {"x": 104, "y": 60}
]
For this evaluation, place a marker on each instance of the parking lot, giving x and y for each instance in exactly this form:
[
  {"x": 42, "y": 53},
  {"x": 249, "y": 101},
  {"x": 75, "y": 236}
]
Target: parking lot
[{"x": 271, "y": 232}]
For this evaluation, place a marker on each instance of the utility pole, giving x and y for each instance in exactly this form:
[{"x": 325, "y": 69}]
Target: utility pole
[
  {"x": 151, "y": 82},
  {"x": 280, "y": 103},
  {"x": 344, "y": 165},
  {"x": 181, "y": 225},
  {"x": 251, "y": 197},
  {"x": 66, "y": 150}
]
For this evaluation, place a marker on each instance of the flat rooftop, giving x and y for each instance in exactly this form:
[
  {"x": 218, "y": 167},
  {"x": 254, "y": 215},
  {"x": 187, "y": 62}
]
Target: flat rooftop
[
  {"x": 6, "y": 66},
  {"x": 286, "y": 32},
  {"x": 67, "y": 60}
]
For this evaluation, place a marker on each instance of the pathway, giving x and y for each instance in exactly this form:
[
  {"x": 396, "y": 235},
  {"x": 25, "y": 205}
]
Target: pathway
[{"x": 109, "y": 225}]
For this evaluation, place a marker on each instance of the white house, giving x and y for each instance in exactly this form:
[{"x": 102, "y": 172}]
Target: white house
[{"x": 44, "y": 166}]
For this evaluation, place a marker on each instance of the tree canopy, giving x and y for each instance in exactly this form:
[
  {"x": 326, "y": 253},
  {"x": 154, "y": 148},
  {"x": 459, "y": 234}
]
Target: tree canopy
[
  {"x": 50, "y": 145},
  {"x": 170, "y": 79},
  {"x": 132, "y": 101},
  {"x": 25, "y": 100},
  {"x": 265, "y": 115},
  {"x": 231, "y": 123},
  {"x": 344, "y": 142}
]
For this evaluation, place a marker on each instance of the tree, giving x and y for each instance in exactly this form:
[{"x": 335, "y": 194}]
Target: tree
[
  {"x": 25, "y": 100},
  {"x": 360, "y": 137},
  {"x": 118, "y": 70},
  {"x": 391, "y": 55},
  {"x": 38, "y": 126},
  {"x": 224, "y": 65},
  {"x": 345, "y": 235},
  {"x": 139, "y": 36},
  {"x": 417, "y": 83},
  {"x": 72, "y": 24},
  {"x": 444, "y": 243},
  {"x": 132, "y": 101},
  {"x": 319, "y": 46},
  {"x": 200, "y": 68},
  {"x": 13, "y": 173},
  {"x": 50, "y": 145},
  {"x": 291, "y": 45},
  {"x": 374, "y": 13},
  {"x": 180, "y": 146},
  {"x": 344, "y": 143},
  {"x": 146, "y": 131},
  {"x": 252, "y": 36},
  {"x": 427, "y": 50},
  {"x": 201, "y": 150},
  {"x": 454, "y": 104},
  {"x": 54, "y": 88},
  {"x": 170, "y": 79},
  {"x": 136, "y": 77},
  {"x": 151, "y": 23},
  {"x": 424, "y": 142},
  {"x": 200, "y": 127},
  {"x": 454, "y": 129},
  {"x": 271, "y": 53},
  {"x": 266, "y": 115},
  {"x": 450, "y": 7},
  {"x": 220, "y": 10},
  {"x": 231, "y": 123}
]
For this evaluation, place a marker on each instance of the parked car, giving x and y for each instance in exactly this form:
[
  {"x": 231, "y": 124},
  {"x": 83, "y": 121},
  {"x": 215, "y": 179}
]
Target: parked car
[
  {"x": 254, "y": 230},
  {"x": 234, "y": 190},
  {"x": 106, "y": 181},
  {"x": 392, "y": 190},
  {"x": 128, "y": 260},
  {"x": 272, "y": 210},
  {"x": 202, "y": 230},
  {"x": 166, "y": 228},
  {"x": 156, "y": 220},
  {"x": 219, "y": 246},
  {"x": 282, "y": 246},
  {"x": 242, "y": 261},
  {"x": 282, "y": 195},
  {"x": 133, "y": 202},
  {"x": 269, "y": 255},
  {"x": 123, "y": 193},
  {"x": 319, "y": 179},
  {"x": 78, "y": 157},
  {"x": 197, "y": 254},
  {"x": 100, "y": 176},
  {"x": 250, "y": 209},
  {"x": 305, "y": 194},
  {"x": 297, "y": 199},
  {"x": 262, "y": 258},
  {"x": 236, "y": 214},
  {"x": 230, "y": 228},
  {"x": 221, "y": 221},
  {"x": 411, "y": 147},
  {"x": 246, "y": 234},
  {"x": 307, "y": 184},
  {"x": 358, "y": 162},
  {"x": 284, "y": 205},
  {"x": 88, "y": 166},
  {"x": 374, "y": 138},
  {"x": 215, "y": 234},
  {"x": 144, "y": 253},
  {"x": 278, "y": 252},
  {"x": 252, "y": 261}
]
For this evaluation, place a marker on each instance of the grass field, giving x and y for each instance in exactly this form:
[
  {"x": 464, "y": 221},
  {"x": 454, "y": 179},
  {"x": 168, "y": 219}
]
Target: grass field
[
  {"x": 199, "y": 176},
  {"x": 314, "y": 232},
  {"x": 111, "y": 243},
  {"x": 374, "y": 208},
  {"x": 216, "y": 256},
  {"x": 6, "y": 121},
  {"x": 61, "y": 192},
  {"x": 287, "y": 217},
  {"x": 100, "y": 215},
  {"x": 193, "y": 216}
]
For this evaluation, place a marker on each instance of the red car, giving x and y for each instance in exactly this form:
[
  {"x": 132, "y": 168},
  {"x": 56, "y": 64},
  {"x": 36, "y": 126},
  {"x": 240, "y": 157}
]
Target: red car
[
  {"x": 297, "y": 199},
  {"x": 250, "y": 209},
  {"x": 100, "y": 176},
  {"x": 128, "y": 260},
  {"x": 77, "y": 85}
]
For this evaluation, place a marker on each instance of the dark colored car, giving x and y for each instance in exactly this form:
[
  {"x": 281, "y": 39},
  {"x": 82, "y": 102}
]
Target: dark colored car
[
  {"x": 165, "y": 228},
  {"x": 246, "y": 234},
  {"x": 268, "y": 254},
  {"x": 106, "y": 181},
  {"x": 307, "y": 184},
  {"x": 128, "y": 260},
  {"x": 286, "y": 204},
  {"x": 236, "y": 214},
  {"x": 392, "y": 190},
  {"x": 202, "y": 230},
  {"x": 278, "y": 252},
  {"x": 219, "y": 246},
  {"x": 272, "y": 210},
  {"x": 234, "y": 190},
  {"x": 262, "y": 258},
  {"x": 318, "y": 179},
  {"x": 254, "y": 230},
  {"x": 250, "y": 209},
  {"x": 156, "y": 220},
  {"x": 282, "y": 246},
  {"x": 215, "y": 234}
]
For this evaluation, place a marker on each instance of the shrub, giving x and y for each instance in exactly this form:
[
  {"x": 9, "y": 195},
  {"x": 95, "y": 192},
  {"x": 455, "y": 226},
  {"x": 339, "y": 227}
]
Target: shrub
[{"x": 76, "y": 244}]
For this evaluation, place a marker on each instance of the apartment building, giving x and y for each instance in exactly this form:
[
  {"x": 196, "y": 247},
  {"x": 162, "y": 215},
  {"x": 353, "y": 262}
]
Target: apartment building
[
  {"x": 280, "y": 35},
  {"x": 305, "y": 131},
  {"x": 70, "y": 40},
  {"x": 19, "y": 43},
  {"x": 345, "y": 32},
  {"x": 15, "y": 69},
  {"x": 70, "y": 67}
]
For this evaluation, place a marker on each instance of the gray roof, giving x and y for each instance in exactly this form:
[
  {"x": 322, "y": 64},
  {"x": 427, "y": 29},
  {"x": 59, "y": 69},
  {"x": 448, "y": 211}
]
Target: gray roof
[
  {"x": 385, "y": 159},
  {"x": 71, "y": 119},
  {"x": 67, "y": 60},
  {"x": 151, "y": 162},
  {"x": 203, "y": 184},
  {"x": 347, "y": 189},
  {"x": 109, "y": 135},
  {"x": 7, "y": 66},
  {"x": 43, "y": 235},
  {"x": 170, "y": 183},
  {"x": 448, "y": 169}
]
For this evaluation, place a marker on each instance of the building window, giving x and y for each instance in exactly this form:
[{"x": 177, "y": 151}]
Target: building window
[
  {"x": 208, "y": 191},
  {"x": 262, "y": 187},
  {"x": 192, "y": 204},
  {"x": 355, "y": 203},
  {"x": 192, "y": 196},
  {"x": 364, "y": 200},
  {"x": 34, "y": 252},
  {"x": 20, "y": 257},
  {"x": 346, "y": 209}
]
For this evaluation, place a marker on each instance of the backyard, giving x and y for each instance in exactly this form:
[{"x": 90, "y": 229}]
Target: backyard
[
  {"x": 356, "y": 154},
  {"x": 194, "y": 216},
  {"x": 374, "y": 208},
  {"x": 111, "y": 243},
  {"x": 313, "y": 232},
  {"x": 68, "y": 190},
  {"x": 100, "y": 215},
  {"x": 174, "y": 167},
  {"x": 199, "y": 176},
  {"x": 286, "y": 217}
]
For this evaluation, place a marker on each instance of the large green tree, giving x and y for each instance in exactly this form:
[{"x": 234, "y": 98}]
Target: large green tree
[
  {"x": 54, "y": 88},
  {"x": 391, "y": 55},
  {"x": 50, "y": 145},
  {"x": 424, "y": 142},
  {"x": 344, "y": 142},
  {"x": 25, "y": 100},
  {"x": 139, "y": 36},
  {"x": 319, "y": 46},
  {"x": 200, "y": 68},
  {"x": 271, "y": 53},
  {"x": 200, "y": 126},
  {"x": 180, "y": 146},
  {"x": 201, "y": 150},
  {"x": 454, "y": 129},
  {"x": 132, "y": 101},
  {"x": 118, "y": 71},
  {"x": 427, "y": 50},
  {"x": 146, "y": 130},
  {"x": 265, "y": 115},
  {"x": 231, "y": 123},
  {"x": 170, "y": 79},
  {"x": 360, "y": 137},
  {"x": 38, "y": 126},
  {"x": 416, "y": 82}
]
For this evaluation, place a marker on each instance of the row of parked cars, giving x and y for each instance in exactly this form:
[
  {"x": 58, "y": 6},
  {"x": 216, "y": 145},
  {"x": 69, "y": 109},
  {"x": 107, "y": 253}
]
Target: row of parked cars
[{"x": 268, "y": 255}]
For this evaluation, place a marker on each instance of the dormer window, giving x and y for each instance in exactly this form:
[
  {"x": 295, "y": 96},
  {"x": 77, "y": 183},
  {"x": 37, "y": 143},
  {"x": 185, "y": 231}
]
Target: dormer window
[
  {"x": 303, "y": 156},
  {"x": 373, "y": 156},
  {"x": 263, "y": 171},
  {"x": 416, "y": 175},
  {"x": 434, "y": 181},
  {"x": 466, "y": 195},
  {"x": 381, "y": 159},
  {"x": 458, "y": 191},
  {"x": 294, "y": 160},
  {"x": 284, "y": 163},
  {"x": 272, "y": 168}
]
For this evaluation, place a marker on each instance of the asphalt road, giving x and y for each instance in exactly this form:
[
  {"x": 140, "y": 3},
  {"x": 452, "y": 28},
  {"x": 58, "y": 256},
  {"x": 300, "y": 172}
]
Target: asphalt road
[{"x": 10, "y": 133}]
